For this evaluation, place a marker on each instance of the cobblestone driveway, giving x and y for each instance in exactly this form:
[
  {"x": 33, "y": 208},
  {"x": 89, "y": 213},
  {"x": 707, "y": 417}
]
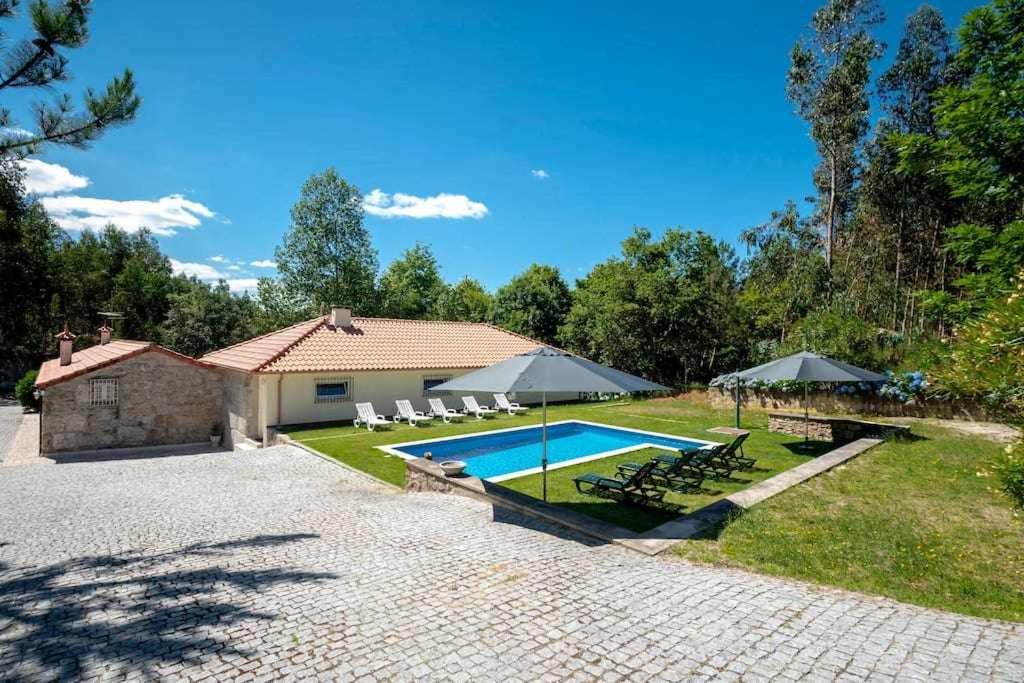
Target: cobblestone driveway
[{"x": 276, "y": 563}]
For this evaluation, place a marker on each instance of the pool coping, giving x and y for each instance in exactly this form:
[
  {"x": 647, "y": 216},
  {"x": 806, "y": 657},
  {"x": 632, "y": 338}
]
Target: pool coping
[{"x": 393, "y": 448}]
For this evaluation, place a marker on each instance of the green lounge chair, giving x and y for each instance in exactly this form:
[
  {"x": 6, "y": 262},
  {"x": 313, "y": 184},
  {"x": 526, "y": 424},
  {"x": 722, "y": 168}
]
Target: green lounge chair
[
  {"x": 673, "y": 472},
  {"x": 636, "y": 489},
  {"x": 733, "y": 454},
  {"x": 703, "y": 462}
]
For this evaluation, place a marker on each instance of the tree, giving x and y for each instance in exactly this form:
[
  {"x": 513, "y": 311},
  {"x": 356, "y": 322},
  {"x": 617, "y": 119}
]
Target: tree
[
  {"x": 276, "y": 308},
  {"x": 533, "y": 303},
  {"x": 411, "y": 285},
  {"x": 896, "y": 249},
  {"x": 977, "y": 151},
  {"x": 785, "y": 274},
  {"x": 29, "y": 241},
  {"x": 204, "y": 317},
  {"x": 828, "y": 82},
  {"x": 665, "y": 309},
  {"x": 39, "y": 63},
  {"x": 326, "y": 257},
  {"x": 465, "y": 300}
]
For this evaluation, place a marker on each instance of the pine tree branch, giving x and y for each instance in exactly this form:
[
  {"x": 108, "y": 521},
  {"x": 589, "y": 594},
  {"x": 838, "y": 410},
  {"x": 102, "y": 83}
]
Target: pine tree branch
[{"x": 43, "y": 49}]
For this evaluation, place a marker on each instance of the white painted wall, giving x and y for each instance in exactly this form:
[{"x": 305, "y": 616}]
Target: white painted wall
[{"x": 381, "y": 388}]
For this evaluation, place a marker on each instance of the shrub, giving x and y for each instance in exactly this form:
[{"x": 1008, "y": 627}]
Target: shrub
[
  {"x": 1009, "y": 469},
  {"x": 25, "y": 389}
]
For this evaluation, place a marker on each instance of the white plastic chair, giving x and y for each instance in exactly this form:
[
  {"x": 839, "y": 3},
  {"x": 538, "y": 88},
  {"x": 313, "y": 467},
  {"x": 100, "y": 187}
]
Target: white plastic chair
[
  {"x": 438, "y": 409},
  {"x": 474, "y": 408},
  {"x": 406, "y": 413},
  {"x": 501, "y": 400},
  {"x": 368, "y": 417}
]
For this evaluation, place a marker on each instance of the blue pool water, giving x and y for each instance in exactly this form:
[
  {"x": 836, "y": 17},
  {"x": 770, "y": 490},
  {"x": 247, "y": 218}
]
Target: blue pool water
[{"x": 495, "y": 454}]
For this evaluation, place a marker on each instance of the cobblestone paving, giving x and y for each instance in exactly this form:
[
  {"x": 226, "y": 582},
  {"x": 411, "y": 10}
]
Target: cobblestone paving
[{"x": 275, "y": 564}]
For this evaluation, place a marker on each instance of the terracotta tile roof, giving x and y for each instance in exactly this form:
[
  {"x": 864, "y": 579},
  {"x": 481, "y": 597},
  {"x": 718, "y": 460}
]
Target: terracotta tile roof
[
  {"x": 92, "y": 358},
  {"x": 376, "y": 344},
  {"x": 251, "y": 355}
]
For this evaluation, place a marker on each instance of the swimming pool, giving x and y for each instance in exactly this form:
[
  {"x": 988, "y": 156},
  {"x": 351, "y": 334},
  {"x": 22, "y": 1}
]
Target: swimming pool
[{"x": 507, "y": 453}]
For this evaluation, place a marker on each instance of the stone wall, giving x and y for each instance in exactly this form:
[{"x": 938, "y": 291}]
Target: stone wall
[
  {"x": 240, "y": 416},
  {"x": 835, "y": 429},
  {"x": 828, "y": 402},
  {"x": 161, "y": 400}
]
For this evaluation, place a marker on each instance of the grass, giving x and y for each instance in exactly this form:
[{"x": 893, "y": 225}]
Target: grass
[
  {"x": 909, "y": 520},
  {"x": 774, "y": 454}
]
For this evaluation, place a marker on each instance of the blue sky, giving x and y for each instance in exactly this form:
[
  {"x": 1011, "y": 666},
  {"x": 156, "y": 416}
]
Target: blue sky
[{"x": 639, "y": 113}]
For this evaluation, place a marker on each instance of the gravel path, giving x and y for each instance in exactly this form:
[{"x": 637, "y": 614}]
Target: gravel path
[{"x": 276, "y": 564}]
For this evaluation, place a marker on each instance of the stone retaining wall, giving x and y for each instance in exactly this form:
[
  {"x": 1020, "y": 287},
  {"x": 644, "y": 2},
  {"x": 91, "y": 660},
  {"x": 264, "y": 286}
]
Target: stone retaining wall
[
  {"x": 829, "y": 402},
  {"x": 835, "y": 429}
]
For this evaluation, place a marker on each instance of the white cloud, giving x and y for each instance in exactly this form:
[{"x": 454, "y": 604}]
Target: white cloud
[
  {"x": 44, "y": 178},
  {"x": 234, "y": 268},
  {"x": 162, "y": 216},
  {"x": 218, "y": 259},
  {"x": 243, "y": 284},
  {"x": 263, "y": 263},
  {"x": 442, "y": 205},
  {"x": 540, "y": 173},
  {"x": 199, "y": 270}
]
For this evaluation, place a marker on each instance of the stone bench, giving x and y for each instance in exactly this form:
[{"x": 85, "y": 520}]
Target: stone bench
[{"x": 835, "y": 429}]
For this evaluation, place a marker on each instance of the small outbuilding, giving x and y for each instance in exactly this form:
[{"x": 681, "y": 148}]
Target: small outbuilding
[{"x": 125, "y": 393}]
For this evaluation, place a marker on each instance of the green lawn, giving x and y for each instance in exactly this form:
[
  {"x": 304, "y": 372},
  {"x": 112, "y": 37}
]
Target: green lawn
[
  {"x": 774, "y": 454},
  {"x": 909, "y": 520},
  {"x": 912, "y": 521}
]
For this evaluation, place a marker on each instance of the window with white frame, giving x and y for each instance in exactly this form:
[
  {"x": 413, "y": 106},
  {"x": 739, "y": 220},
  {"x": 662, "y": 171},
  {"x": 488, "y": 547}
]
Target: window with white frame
[
  {"x": 332, "y": 389},
  {"x": 103, "y": 391},
  {"x": 431, "y": 382}
]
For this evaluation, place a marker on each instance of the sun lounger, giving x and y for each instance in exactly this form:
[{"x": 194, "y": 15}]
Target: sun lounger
[
  {"x": 637, "y": 488},
  {"x": 407, "y": 414},
  {"x": 502, "y": 403},
  {"x": 703, "y": 461},
  {"x": 673, "y": 472},
  {"x": 474, "y": 408},
  {"x": 368, "y": 417},
  {"x": 438, "y": 409}
]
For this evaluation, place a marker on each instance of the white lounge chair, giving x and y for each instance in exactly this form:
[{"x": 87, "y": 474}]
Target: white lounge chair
[
  {"x": 502, "y": 403},
  {"x": 474, "y": 408},
  {"x": 438, "y": 409},
  {"x": 407, "y": 414},
  {"x": 369, "y": 418}
]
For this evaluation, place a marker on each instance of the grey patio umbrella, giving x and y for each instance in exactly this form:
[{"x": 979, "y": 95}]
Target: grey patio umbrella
[
  {"x": 805, "y": 367},
  {"x": 545, "y": 370}
]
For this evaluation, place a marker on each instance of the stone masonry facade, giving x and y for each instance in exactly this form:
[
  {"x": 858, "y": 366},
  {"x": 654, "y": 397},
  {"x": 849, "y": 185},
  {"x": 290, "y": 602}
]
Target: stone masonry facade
[
  {"x": 161, "y": 400},
  {"x": 241, "y": 405}
]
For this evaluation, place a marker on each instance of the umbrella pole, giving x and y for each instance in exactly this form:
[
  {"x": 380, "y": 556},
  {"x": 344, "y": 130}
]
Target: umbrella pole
[
  {"x": 544, "y": 443},
  {"x": 807, "y": 419},
  {"x": 737, "y": 399}
]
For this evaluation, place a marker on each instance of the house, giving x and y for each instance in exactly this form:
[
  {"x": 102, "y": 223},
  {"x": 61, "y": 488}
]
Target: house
[
  {"x": 316, "y": 371},
  {"x": 123, "y": 393}
]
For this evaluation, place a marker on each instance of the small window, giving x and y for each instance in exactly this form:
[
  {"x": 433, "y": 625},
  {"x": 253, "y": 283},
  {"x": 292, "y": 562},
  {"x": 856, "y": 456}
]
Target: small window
[
  {"x": 431, "y": 382},
  {"x": 333, "y": 390},
  {"x": 103, "y": 392}
]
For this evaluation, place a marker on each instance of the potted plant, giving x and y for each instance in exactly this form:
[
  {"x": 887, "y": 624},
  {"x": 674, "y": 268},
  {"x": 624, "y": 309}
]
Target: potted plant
[{"x": 216, "y": 431}]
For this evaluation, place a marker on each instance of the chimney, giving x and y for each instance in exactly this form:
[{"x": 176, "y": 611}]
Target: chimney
[
  {"x": 105, "y": 333},
  {"x": 340, "y": 317},
  {"x": 66, "y": 340}
]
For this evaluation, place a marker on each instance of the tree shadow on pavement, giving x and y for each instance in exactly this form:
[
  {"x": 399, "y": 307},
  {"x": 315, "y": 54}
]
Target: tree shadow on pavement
[{"x": 132, "y": 611}]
